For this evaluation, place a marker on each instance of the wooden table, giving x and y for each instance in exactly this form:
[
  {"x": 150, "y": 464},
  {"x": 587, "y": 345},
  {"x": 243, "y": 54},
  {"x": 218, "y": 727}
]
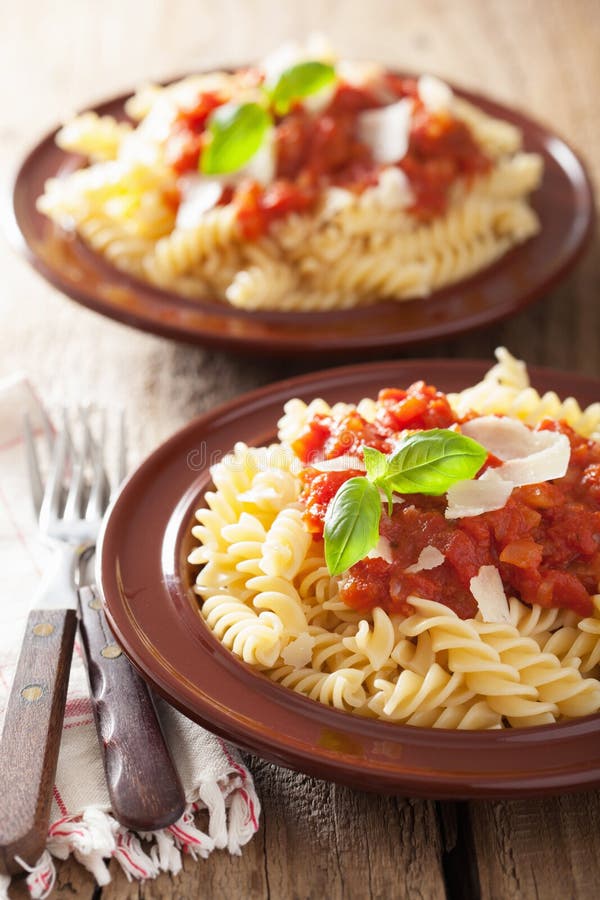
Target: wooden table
[{"x": 316, "y": 839}]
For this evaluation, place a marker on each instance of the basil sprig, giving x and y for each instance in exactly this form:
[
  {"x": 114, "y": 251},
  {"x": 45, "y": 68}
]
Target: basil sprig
[
  {"x": 426, "y": 462},
  {"x": 300, "y": 81},
  {"x": 236, "y": 131}
]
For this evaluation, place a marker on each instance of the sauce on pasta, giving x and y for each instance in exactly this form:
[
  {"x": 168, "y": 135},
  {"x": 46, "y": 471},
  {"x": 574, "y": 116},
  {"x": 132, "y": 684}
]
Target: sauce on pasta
[
  {"x": 316, "y": 150},
  {"x": 545, "y": 541}
]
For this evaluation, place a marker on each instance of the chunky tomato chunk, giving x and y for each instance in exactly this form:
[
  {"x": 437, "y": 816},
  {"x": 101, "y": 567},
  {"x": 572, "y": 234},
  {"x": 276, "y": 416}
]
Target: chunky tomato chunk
[
  {"x": 319, "y": 490},
  {"x": 258, "y": 207},
  {"x": 419, "y": 407},
  {"x": 185, "y": 142},
  {"x": 441, "y": 149}
]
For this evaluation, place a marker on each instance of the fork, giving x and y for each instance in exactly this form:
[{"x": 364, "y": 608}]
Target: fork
[
  {"x": 33, "y": 721},
  {"x": 70, "y": 509}
]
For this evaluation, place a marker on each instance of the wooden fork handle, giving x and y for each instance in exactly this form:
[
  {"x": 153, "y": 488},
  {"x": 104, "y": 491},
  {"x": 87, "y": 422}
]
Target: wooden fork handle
[
  {"x": 31, "y": 736},
  {"x": 144, "y": 787}
]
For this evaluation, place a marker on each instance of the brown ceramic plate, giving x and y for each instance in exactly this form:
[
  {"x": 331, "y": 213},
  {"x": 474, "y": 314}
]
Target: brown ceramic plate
[
  {"x": 146, "y": 584},
  {"x": 564, "y": 204}
]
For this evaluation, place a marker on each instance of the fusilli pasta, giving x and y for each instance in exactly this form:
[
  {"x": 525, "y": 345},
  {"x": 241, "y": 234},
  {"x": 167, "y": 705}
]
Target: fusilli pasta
[
  {"x": 331, "y": 238},
  {"x": 267, "y": 594}
]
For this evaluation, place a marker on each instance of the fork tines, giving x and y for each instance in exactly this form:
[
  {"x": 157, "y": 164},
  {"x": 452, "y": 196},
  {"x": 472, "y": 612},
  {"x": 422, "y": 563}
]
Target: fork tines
[{"x": 77, "y": 484}]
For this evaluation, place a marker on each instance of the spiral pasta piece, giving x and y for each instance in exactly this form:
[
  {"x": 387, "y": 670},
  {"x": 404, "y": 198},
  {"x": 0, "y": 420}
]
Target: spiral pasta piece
[
  {"x": 375, "y": 641},
  {"x": 342, "y": 689},
  {"x": 264, "y": 280},
  {"x": 534, "y": 620},
  {"x": 281, "y": 597},
  {"x": 257, "y": 639},
  {"x": 469, "y": 716},
  {"x": 412, "y": 693},
  {"x": 286, "y": 545},
  {"x": 184, "y": 249},
  {"x": 498, "y": 137},
  {"x": 574, "y": 646},
  {"x": 98, "y": 137},
  {"x": 557, "y": 684},
  {"x": 417, "y": 655},
  {"x": 124, "y": 250}
]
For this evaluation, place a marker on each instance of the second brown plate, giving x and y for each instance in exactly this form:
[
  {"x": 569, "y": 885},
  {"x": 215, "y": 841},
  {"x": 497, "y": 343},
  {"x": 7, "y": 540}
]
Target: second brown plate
[
  {"x": 146, "y": 584},
  {"x": 564, "y": 204}
]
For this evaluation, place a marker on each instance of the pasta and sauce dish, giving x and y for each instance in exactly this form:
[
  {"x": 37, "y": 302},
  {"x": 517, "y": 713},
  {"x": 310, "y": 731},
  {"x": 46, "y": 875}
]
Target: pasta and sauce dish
[
  {"x": 418, "y": 558},
  {"x": 302, "y": 183}
]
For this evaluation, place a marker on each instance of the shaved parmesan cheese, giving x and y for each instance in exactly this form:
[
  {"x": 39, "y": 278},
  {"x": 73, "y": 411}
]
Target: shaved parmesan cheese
[
  {"x": 435, "y": 94},
  {"x": 386, "y": 130},
  {"x": 550, "y": 461},
  {"x": 198, "y": 195},
  {"x": 335, "y": 199},
  {"x": 381, "y": 550},
  {"x": 392, "y": 190},
  {"x": 429, "y": 558},
  {"x": 298, "y": 653},
  {"x": 506, "y": 438},
  {"x": 474, "y": 497},
  {"x": 339, "y": 464},
  {"x": 159, "y": 121},
  {"x": 358, "y": 73},
  {"x": 530, "y": 457},
  {"x": 488, "y": 590}
]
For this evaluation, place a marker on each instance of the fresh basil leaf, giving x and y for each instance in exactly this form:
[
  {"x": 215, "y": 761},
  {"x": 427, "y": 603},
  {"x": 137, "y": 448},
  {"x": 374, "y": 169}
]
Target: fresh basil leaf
[
  {"x": 376, "y": 464},
  {"x": 300, "y": 81},
  {"x": 429, "y": 462},
  {"x": 236, "y": 131},
  {"x": 351, "y": 524}
]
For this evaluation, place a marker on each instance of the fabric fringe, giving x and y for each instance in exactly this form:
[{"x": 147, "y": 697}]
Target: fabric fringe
[
  {"x": 42, "y": 876},
  {"x": 95, "y": 837}
]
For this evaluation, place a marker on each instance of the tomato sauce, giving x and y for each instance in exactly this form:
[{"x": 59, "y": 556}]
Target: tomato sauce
[
  {"x": 418, "y": 408},
  {"x": 545, "y": 541},
  {"x": 185, "y": 142},
  {"x": 315, "y": 150}
]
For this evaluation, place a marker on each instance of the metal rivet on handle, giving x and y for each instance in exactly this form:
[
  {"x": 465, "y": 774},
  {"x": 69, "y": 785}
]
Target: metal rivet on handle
[
  {"x": 43, "y": 629},
  {"x": 111, "y": 651},
  {"x": 32, "y": 692}
]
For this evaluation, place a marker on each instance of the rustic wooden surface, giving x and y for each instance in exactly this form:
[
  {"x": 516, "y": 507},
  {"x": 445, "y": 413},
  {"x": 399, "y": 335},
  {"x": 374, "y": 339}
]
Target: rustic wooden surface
[{"x": 316, "y": 839}]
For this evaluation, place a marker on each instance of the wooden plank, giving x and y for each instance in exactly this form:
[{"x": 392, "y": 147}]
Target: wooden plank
[
  {"x": 346, "y": 844},
  {"x": 530, "y": 849}
]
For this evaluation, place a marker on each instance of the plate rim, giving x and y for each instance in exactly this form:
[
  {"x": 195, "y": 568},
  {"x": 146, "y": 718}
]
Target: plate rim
[
  {"x": 341, "y": 766},
  {"x": 313, "y": 343}
]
